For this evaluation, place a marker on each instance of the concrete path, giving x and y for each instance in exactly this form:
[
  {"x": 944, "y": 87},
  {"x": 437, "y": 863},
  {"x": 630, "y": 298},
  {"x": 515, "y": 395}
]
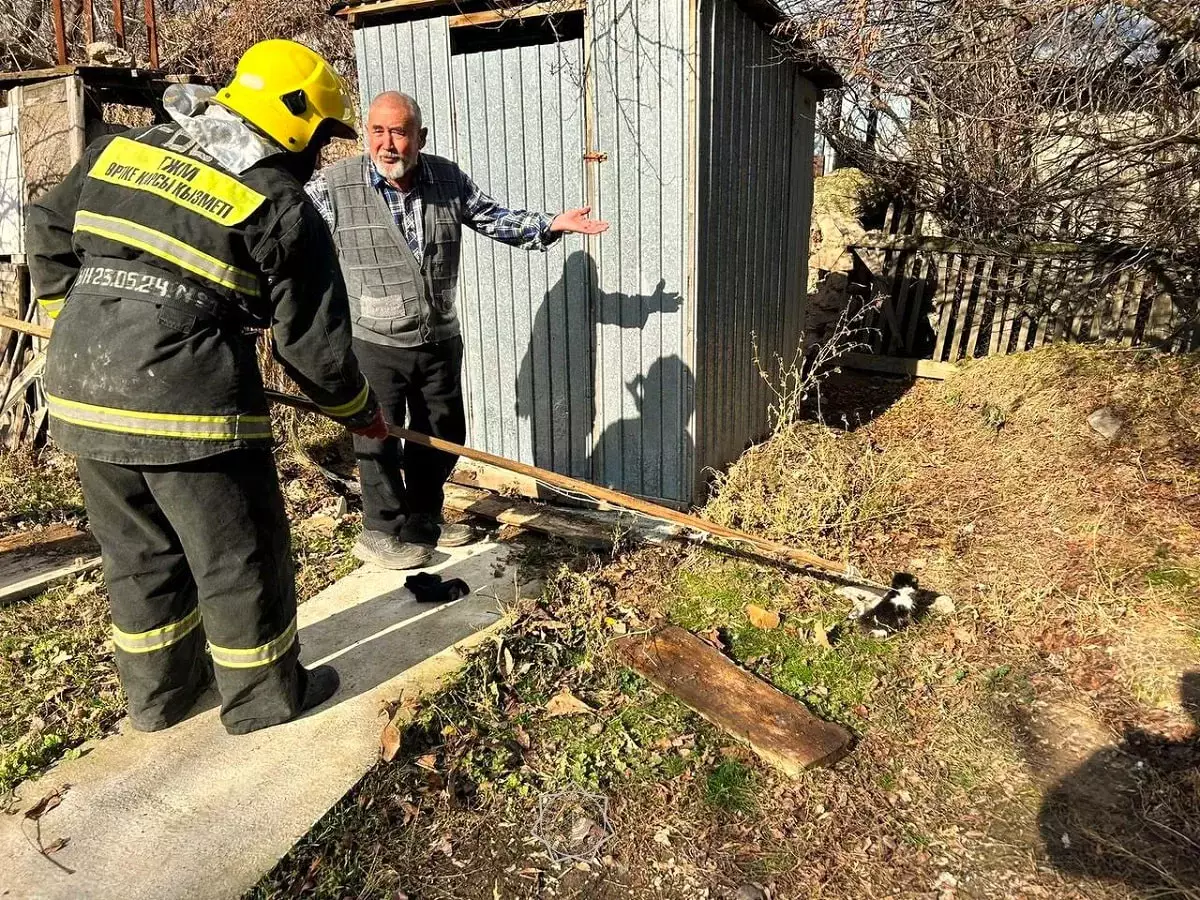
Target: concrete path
[{"x": 194, "y": 813}]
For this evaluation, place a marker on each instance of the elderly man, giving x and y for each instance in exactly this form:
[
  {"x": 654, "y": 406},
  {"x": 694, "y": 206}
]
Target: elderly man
[{"x": 396, "y": 215}]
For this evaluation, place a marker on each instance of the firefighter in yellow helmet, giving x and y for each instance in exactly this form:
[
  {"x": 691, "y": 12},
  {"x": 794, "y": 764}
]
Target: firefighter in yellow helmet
[{"x": 161, "y": 255}]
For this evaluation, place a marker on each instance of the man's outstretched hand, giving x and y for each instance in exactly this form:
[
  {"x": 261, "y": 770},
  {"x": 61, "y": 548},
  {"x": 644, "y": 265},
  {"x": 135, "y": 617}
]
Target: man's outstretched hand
[{"x": 576, "y": 221}]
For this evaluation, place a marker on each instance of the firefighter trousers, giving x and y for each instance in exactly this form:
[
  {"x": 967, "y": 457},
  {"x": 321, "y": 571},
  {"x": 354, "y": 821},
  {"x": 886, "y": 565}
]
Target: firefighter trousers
[{"x": 193, "y": 552}]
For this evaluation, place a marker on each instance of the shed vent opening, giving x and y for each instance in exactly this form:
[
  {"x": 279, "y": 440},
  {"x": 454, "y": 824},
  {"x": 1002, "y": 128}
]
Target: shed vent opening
[{"x": 468, "y": 37}]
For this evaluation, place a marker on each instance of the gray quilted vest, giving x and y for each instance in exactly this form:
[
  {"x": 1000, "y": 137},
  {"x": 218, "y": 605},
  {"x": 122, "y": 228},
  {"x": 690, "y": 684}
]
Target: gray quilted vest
[{"x": 394, "y": 299}]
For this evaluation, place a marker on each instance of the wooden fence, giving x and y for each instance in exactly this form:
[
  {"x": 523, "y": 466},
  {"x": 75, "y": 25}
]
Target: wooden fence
[{"x": 944, "y": 299}]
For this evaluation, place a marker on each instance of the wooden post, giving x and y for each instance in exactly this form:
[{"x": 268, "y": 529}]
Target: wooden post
[
  {"x": 151, "y": 32},
  {"x": 60, "y": 32},
  {"x": 119, "y": 23},
  {"x": 89, "y": 22}
]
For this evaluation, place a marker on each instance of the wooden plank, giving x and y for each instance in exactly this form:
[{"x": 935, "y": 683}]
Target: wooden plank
[
  {"x": 985, "y": 292},
  {"x": 902, "y": 295},
  {"x": 43, "y": 581},
  {"x": 1131, "y": 311},
  {"x": 365, "y": 10},
  {"x": 895, "y": 365},
  {"x": 17, "y": 389},
  {"x": 1110, "y": 311},
  {"x": 590, "y": 529},
  {"x": 970, "y": 275},
  {"x": 944, "y": 302},
  {"x": 916, "y": 303},
  {"x": 1162, "y": 315},
  {"x": 529, "y": 11},
  {"x": 1014, "y": 287},
  {"x": 777, "y": 727},
  {"x": 876, "y": 240}
]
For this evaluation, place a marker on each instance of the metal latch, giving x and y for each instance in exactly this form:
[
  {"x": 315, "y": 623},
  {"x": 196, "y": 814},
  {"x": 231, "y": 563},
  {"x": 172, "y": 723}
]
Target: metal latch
[{"x": 595, "y": 156}]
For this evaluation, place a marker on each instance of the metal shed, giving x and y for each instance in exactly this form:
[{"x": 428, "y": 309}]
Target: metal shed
[{"x": 626, "y": 359}]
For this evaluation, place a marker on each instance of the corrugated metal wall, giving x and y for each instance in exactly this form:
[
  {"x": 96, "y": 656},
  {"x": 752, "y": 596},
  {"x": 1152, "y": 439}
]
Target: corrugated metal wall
[
  {"x": 639, "y": 83},
  {"x": 756, "y": 128},
  {"x": 611, "y": 358},
  {"x": 526, "y": 315},
  {"x": 412, "y": 57}
]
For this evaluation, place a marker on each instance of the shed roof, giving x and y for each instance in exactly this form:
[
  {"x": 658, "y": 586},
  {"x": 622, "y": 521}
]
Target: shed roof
[{"x": 765, "y": 12}]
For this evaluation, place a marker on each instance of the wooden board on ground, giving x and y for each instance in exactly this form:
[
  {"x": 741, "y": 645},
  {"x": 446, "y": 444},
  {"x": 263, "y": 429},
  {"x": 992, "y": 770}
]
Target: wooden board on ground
[
  {"x": 591, "y": 528},
  {"x": 921, "y": 368},
  {"x": 777, "y": 727},
  {"x": 522, "y": 514},
  {"x": 34, "y": 561}
]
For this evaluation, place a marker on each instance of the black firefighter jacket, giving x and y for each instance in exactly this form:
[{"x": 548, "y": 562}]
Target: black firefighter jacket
[{"x": 158, "y": 266}]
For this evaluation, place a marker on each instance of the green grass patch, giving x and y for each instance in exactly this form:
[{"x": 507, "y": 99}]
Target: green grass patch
[
  {"x": 38, "y": 487},
  {"x": 58, "y": 684},
  {"x": 831, "y": 680},
  {"x": 730, "y": 787}
]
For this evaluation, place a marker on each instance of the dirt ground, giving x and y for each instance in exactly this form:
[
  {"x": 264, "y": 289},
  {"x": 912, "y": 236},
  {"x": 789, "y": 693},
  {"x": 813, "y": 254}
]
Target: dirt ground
[{"x": 1039, "y": 741}]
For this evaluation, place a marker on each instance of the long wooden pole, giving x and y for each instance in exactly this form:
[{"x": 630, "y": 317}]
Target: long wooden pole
[
  {"x": 596, "y": 492},
  {"x": 565, "y": 482},
  {"x": 24, "y": 327}
]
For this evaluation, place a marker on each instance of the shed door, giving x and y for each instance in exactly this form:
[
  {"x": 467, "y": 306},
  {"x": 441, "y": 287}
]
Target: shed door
[
  {"x": 519, "y": 118},
  {"x": 12, "y": 219}
]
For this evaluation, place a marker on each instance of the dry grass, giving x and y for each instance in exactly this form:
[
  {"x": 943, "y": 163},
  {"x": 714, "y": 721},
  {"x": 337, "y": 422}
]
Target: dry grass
[
  {"x": 980, "y": 735},
  {"x": 813, "y": 487},
  {"x": 58, "y": 685}
]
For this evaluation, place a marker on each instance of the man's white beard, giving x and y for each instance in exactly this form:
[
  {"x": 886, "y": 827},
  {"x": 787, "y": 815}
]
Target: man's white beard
[{"x": 394, "y": 171}]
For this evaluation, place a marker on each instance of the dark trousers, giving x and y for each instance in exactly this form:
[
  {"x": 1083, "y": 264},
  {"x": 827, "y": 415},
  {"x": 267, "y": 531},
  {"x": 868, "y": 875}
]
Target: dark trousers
[
  {"x": 426, "y": 384},
  {"x": 194, "y": 552}
]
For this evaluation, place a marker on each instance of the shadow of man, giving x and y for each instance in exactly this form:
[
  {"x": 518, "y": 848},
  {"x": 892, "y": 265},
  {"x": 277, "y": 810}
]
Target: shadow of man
[
  {"x": 1130, "y": 814},
  {"x": 555, "y": 389},
  {"x": 617, "y": 462}
]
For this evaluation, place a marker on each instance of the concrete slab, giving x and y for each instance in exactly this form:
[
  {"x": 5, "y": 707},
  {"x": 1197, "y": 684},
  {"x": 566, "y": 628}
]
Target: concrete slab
[{"x": 192, "y": 812}]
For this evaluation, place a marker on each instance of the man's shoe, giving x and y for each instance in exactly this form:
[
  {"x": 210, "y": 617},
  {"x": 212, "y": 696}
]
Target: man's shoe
[
  {"x": 390, "y": 552},
  {"x": 421, "y": 528},
  {"x": 320, "y": 684},
  {"x": 458, "y": 534}
]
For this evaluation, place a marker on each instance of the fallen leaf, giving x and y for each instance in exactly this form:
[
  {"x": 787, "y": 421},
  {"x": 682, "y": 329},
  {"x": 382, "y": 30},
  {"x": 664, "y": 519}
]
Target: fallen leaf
[
  {"x": 43, "y": 806},
  {"x": 321, "y": 523},
  {"x": 56, "y": 846},
  {"x": 522, "y": 738},
  {"x": 428, "y": 762},
  {"x": 389, "y": 742},
  {"x": 564, "y": 703},
  {"x": 821, "y": 635},
  {"x": 663, "y": 836},
  {"x": 762, "y": 618},
  {"x": 509, "y": 665}
]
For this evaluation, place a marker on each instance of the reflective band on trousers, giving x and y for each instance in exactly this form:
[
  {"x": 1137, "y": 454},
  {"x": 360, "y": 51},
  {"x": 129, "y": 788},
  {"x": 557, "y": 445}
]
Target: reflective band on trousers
[
  {"x": 354, "y": 407},
  {"x": 124, "y": 231},
  {"x": 263, "y": 655},
  {"x": 52, "y": 306},
  {"x": 158, "y": 638},
  {"x": 171, "y": 425}
]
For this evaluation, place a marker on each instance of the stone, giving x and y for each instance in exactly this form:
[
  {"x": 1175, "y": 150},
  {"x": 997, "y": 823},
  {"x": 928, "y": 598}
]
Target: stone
[
  {"x": 1106, "y": 423},
  {"x": 750, "y": 891}
]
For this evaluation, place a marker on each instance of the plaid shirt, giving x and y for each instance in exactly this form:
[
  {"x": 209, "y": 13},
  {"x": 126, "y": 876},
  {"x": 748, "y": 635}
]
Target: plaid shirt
[{"x": 518, "y": 227}]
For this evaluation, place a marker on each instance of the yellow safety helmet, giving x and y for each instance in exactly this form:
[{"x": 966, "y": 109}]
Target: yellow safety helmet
[{"x": 286, "y": 91}]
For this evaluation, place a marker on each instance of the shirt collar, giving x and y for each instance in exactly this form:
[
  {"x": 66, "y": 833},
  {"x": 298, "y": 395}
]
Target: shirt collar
[{"x": 379, "y": 182}]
